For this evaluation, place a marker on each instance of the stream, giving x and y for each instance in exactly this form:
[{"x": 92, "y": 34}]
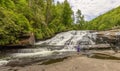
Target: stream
[{"x": 61, "y": 46}]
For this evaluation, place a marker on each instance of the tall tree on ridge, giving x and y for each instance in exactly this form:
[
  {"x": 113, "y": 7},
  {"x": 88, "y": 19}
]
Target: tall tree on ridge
[
  {"x": 80, "y": 18},
  {"x": 67, "y": 14},
  {"x": 48, "y": 11}
]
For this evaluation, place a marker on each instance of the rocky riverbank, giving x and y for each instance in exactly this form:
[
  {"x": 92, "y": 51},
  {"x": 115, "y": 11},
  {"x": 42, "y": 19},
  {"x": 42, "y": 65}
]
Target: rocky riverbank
[
  {"x": 74, "y": 63},
  {"x": 94, "y": 46}
]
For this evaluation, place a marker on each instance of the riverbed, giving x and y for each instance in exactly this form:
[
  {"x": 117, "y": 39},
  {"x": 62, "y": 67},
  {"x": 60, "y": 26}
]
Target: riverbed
[
  {"x": 75, "y": 62},
  {"x": 61, "y": 49}
]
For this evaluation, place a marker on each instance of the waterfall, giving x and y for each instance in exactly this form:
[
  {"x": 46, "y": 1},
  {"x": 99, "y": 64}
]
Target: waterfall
[
  {"x": 71, "y": 39},
  {"x": 67, "y": 40},
  {"x": 63, "y": 42},
  {"x": 3, "y": 62}
]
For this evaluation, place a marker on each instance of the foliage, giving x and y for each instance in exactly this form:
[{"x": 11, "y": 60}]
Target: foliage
[
  {"x": 41, "y": 17},
  {"x": 66, "y": 14},
  {"x": 44, "y": 18},
  {"x": 106, "y": 21},
  {"x": 80, "y": 19}
]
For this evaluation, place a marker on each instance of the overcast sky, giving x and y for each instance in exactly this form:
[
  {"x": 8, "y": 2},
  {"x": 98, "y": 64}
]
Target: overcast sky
[{"x": 93, "y": 8}]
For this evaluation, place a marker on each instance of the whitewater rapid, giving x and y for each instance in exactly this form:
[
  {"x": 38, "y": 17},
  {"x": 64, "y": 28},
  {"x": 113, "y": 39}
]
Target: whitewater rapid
[{"x": 67, "y": 40}]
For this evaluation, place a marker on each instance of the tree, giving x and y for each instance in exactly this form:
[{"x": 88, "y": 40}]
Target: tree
[
  {"x": 106, "y": 21},
  {"x": 80, "y": 18},
  {"x": 67, "y": 14},
  {"x": 48, "y": 12},
  {"x": 41, "y": 17}
]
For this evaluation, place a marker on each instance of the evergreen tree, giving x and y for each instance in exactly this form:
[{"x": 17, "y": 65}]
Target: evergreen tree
[
  {"x": 106, "y": 21},
  {"x": 41, "y": 17},
  {"x": 80, "y": 18},
  {"x": 48, "y": 12},
  {"x": 67, "y": 14}
]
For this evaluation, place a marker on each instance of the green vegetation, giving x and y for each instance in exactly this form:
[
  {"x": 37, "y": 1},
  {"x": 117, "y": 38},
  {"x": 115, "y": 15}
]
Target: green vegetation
[
  {"x": 80, "y": 20},
  {"x": 106, "y": 21},
  {"x": 41, "y": 17},
  {"x": 44, "y": 18}
]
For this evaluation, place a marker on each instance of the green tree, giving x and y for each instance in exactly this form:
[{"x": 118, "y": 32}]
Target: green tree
[
  {"x": 41, "y": 17},
  {"x": 67, "y": 14},
  {"x": 80, "y": 18},
  {"x": 106, "y": 21}
]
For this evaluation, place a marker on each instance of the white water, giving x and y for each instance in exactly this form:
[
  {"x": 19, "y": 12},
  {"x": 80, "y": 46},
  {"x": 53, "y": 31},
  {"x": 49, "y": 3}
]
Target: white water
[
  {"x": 41, "y": 54},
  {"x": 3, "y": 62},
  {"x": 68, "y": 40}
]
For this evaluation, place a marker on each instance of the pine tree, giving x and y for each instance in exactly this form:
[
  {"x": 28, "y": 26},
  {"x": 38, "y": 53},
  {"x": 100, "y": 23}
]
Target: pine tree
[
  {"x": 48, "y": 13},
  {"x": 80, "y": 18},
  {"x": 67, "y": 14}
]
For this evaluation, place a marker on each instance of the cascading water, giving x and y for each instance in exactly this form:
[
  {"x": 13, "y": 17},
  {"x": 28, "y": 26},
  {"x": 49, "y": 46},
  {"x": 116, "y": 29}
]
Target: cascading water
[
  {"x": 71, "y": 38},
  {"x": 62, "y": 42}
]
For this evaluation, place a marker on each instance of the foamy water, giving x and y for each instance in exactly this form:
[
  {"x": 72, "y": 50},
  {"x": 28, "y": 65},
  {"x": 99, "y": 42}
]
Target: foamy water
[
  {"x": 3, "y": 62},
  {"x": 68, "y": 40},
  {"x": 39, "y": 54}
]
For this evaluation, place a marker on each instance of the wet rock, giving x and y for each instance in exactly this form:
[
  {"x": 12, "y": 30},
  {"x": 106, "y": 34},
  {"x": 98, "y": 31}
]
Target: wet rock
[
  {"x": 111, "y": 37},
  {"x": 104, "y": 56}
]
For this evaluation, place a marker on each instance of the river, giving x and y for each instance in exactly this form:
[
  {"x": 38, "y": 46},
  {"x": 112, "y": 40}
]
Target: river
[{"x": 62, "y": 45}]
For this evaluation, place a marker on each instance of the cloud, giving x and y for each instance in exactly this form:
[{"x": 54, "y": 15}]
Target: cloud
[{"x": 93, "y": 8}]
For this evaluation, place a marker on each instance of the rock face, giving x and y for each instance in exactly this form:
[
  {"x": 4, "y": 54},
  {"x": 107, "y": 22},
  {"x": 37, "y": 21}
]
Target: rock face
[
  {"x": 71, "y": 39},
  {"x": 85, "y": 39},
  {"x": 67, "y": 42},
  {"x": 111, "y": 37},
  {"x": 27, "y": 40}
]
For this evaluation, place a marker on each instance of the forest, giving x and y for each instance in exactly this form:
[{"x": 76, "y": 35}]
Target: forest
[
  {"x": 45, "y": 18},
  {"x": 109, "y": 20}
]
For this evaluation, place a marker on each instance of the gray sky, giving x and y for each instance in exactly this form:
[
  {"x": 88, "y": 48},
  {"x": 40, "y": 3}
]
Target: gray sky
[{"x": 93, "y": 8}]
